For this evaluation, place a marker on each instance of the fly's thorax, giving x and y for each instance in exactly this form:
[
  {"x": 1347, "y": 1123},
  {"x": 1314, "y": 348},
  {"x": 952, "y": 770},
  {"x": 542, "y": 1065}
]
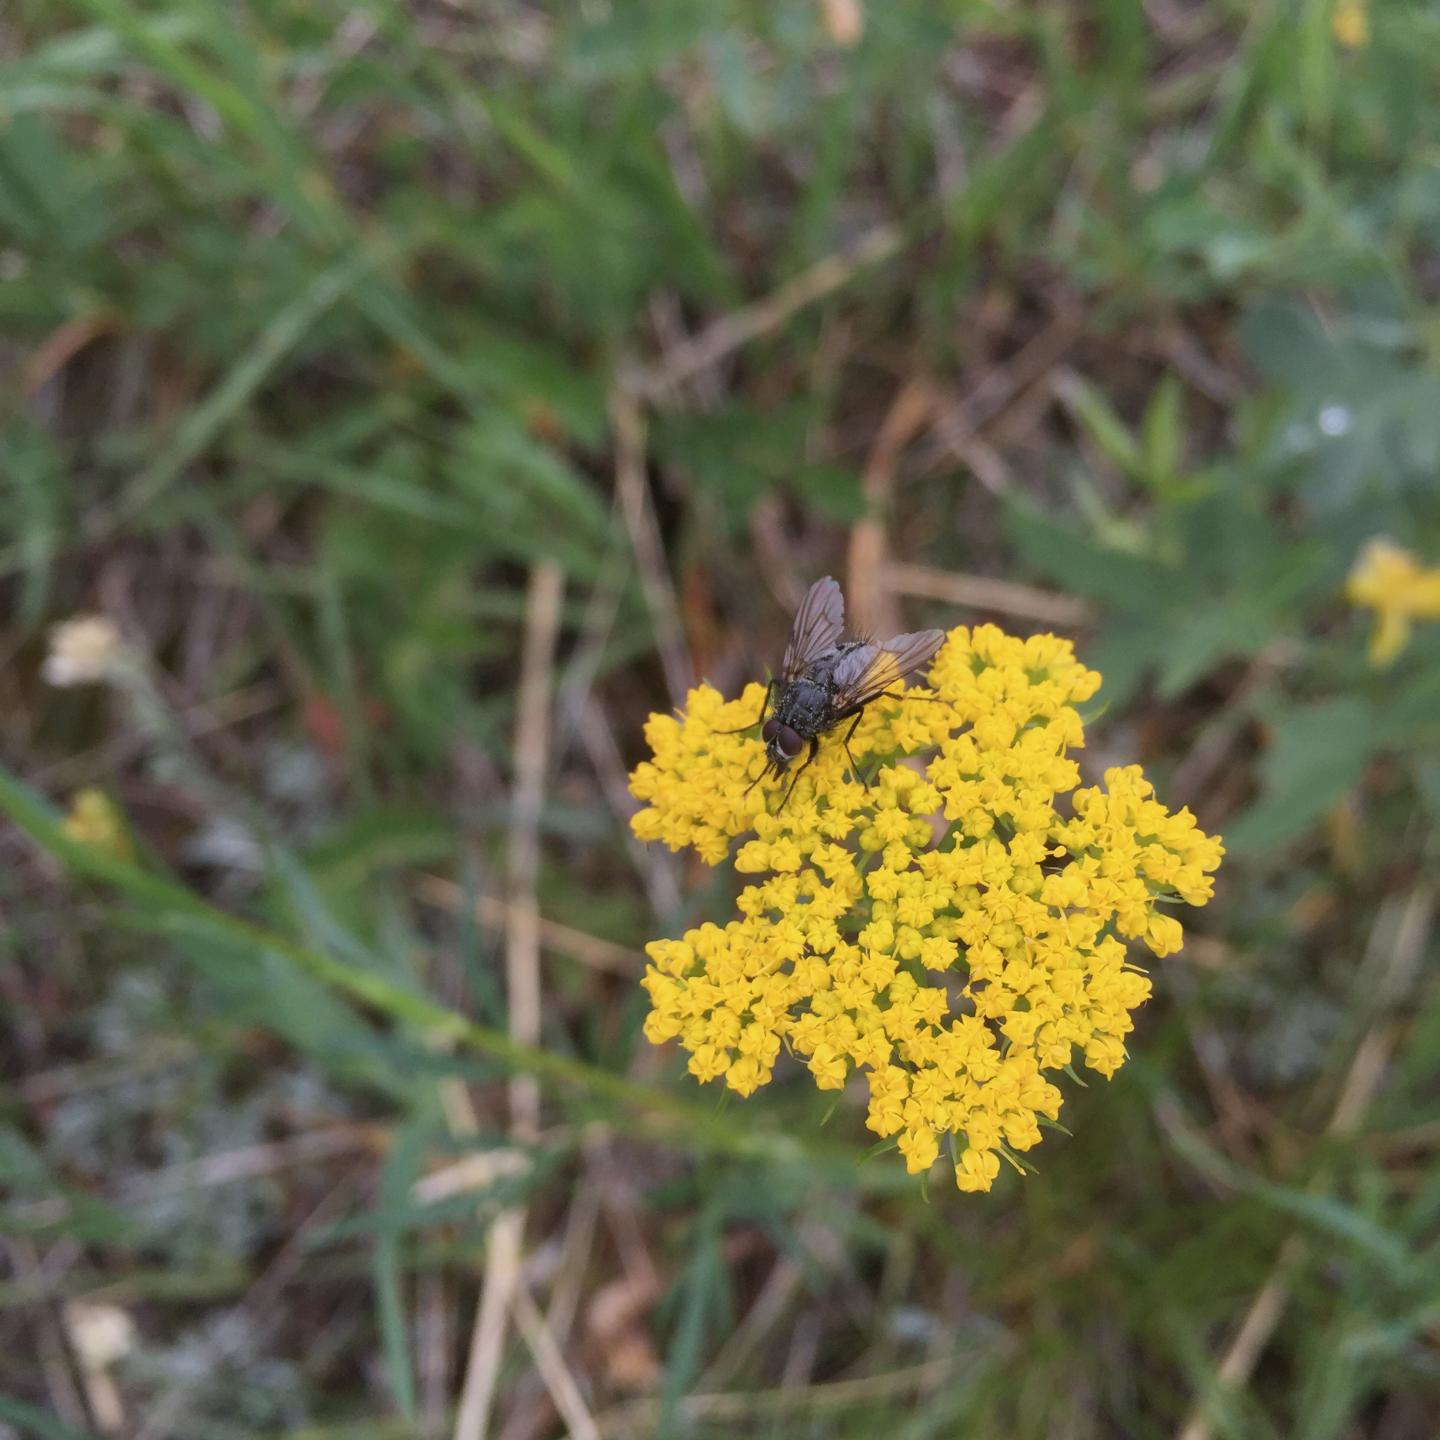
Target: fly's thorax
[
  {"x": 821, "y": 670},
  {"x": 804, "y": 706}
]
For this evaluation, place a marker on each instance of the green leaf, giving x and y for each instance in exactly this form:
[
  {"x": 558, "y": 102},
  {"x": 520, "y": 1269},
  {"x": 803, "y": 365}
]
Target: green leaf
[
  {"x": 276, "y": 338},
  {"x": 373, "y": 840},
  {"x": 401, "y": 1169},
  {"x": 1065, "y": 555},
  {"x": 701, "y": 1284},
  {"x": 1091, "y": 409},
  {"x": 1162, "y": 435},
  {"x": 1323, "y": 1212},
  {"x": 1316, "y": 753},
  {"x": 1427, "y": 782}
]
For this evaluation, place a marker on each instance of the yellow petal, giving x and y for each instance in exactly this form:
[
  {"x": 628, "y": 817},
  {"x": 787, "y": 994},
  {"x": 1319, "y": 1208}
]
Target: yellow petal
[{"x": 1392, "y": 632}]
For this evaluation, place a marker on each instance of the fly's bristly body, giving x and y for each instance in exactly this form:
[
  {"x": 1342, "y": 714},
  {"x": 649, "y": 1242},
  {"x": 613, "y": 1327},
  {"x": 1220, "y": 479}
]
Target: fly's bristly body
[{"x": 825, "y": 680}]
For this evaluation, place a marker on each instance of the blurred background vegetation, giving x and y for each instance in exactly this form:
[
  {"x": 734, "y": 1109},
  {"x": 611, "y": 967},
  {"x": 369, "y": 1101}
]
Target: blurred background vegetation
[{"x": 328, "y": 331}]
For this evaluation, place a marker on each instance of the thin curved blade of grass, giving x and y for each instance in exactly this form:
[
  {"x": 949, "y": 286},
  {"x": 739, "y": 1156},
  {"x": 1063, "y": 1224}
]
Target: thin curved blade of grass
[{"x": 171, "y": 908}]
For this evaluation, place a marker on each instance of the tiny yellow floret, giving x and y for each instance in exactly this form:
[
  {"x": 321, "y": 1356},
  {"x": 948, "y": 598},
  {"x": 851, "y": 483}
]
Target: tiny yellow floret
[{"x": 956, "y": 933}]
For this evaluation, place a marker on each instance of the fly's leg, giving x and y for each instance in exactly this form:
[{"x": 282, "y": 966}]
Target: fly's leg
[
  {"x": 764, "y": 706},
  {"x": 858, "y": 710},
  {"x": 809, "y": 760},
  {"x": 898, "y": 695},
  {"x": 764, "y": 771},
  {"x": 905, "y": 695},
  {"x": 854, "y": 768}
]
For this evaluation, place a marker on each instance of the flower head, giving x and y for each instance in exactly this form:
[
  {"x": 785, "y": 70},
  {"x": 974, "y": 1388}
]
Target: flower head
[
  {"x": 1391, "y": 581},
  {"x": 94, "y": 819},
  {"x": 956, "y": 931},
  {"x": 82, "y": 650},
  {"x": 1350, "y": 23}
]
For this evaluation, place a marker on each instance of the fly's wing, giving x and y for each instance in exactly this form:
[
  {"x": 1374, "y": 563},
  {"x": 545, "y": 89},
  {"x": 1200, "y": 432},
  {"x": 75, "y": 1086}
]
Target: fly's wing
[
  {"x": 869, "y": 670},
  {"x": 818, "y": 623}
]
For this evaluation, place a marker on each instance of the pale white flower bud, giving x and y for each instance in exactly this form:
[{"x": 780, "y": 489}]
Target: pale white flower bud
[{"x": 82, "y": 650}]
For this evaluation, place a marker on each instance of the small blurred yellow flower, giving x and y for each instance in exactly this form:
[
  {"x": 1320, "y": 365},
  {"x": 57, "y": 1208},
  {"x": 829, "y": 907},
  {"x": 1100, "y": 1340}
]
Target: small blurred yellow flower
[
  {"x": 82, "y": 650},
  {"x": 1392, "y": 582},
  {"x": 95, "y": 820},
  {"x": 957, "y": 974},
  {"x": 1350, "y": 23}
]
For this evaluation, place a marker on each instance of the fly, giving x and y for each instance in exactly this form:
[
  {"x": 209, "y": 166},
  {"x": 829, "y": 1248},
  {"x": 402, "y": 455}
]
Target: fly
[{"x": 825, "y": 680}]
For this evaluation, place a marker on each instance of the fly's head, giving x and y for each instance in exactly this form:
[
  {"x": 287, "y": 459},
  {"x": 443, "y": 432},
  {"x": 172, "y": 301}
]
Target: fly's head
[{"x": 783, "y": 743}]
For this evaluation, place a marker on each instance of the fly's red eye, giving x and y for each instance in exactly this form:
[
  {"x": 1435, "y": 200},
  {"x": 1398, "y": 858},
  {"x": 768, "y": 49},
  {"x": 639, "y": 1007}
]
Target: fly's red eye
[
  {"x": 789, "y": 743},
  {"x": 768, "y": 729}
]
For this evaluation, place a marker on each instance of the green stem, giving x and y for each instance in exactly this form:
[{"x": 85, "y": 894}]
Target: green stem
[{"x": 183, "y": 912}]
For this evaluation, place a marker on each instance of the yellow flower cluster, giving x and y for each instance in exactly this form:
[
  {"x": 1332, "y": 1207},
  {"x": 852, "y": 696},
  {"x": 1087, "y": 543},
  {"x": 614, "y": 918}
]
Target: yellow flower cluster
[
  {"x": 956, "y": 932},
  {"x": 1400, "y": 589}
]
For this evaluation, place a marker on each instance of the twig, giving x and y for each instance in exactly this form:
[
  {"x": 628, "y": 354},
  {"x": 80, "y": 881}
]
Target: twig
[
  {"x": 493, "y": 913},
  {"x": 532, "y": 745},
  {"x": 871, "y": 603},
  {"x": 817, "y": 1251},
  {"x": 506, "y": 1281},
  {"x": 575, "y": 1250},
  {"x": 433, "y": 1349},
  {"x": 731, "y": 331},
  {"x": 827, "y": 1397},
  {"x": 250, "y": 1162},
  {"x": 522, "y": 977},
  {"x": 225, "y": 1167},
  {"x": 801, "y": 1352},
  {"x": 980, "y": 457},
  {"x": 487, "y": 1340},
  {"x": 477, "y": 1171},
  {"x": 956, "y": 426},
  {"x": 49, "y": 1333},
  {"x": 1357, "y": 1094},
  {"x": 635, "y": 508},
  {"x": 579, "y": 1423},
  {"x": 983, "y": 593},
  {"x": 60, "y": 347}
]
